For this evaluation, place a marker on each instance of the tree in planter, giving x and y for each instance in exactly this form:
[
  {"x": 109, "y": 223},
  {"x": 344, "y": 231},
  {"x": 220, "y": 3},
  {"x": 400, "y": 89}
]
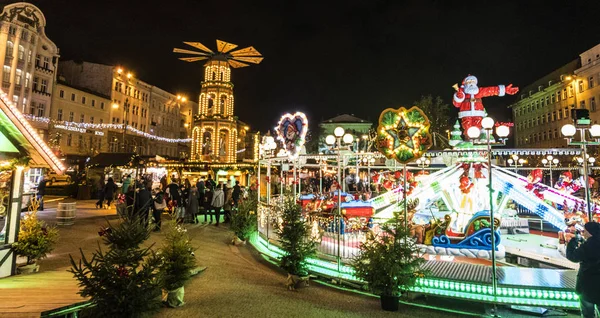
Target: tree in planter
[
  {"x": 35, "y": 238},
  {"x": 124, "y": 281},
  {"x": 294, "y": 236},
  {"x": 243, "y": 221},
  {"x": 390, "y": 262},
  {"x": 177, "y": 263}
]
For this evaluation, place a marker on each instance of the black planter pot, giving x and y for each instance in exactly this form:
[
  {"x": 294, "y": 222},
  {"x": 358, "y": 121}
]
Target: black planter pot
[{"x": 389, "y": 303}]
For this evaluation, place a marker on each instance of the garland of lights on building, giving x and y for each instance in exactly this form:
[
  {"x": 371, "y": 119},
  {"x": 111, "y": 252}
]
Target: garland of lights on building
[{"x": 82, "y": 127}]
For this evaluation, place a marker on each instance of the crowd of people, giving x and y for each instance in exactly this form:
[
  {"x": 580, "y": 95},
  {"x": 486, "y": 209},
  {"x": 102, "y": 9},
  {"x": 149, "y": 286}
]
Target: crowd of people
[{"x": 185, "y": 200}]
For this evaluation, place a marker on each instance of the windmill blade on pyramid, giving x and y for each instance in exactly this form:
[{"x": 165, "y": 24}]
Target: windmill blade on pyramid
[{"x": 236, "y": 59}]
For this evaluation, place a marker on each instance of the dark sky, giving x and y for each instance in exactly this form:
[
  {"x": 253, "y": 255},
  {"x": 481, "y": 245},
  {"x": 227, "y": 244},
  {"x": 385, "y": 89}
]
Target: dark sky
[{"x": 327, "y": 57}]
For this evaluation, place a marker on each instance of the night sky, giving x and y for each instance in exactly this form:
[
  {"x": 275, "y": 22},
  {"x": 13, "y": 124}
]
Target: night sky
[{"x": 325, "y": 57}]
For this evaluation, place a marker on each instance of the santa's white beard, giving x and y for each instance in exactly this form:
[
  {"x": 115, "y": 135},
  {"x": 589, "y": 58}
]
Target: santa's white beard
[{"x": 471, "y": 89}]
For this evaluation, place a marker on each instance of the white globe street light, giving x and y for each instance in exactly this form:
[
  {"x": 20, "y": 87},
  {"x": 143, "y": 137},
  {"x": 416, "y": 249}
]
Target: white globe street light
[
  {"x": 473, "y": 132},
  {"x": 487, "y": 123},
  {"x": 502, "y": 131},
  {"x": 339, "y": 131},
  {"x": 568, "y": 130},
  {"x": 595, "y": 131},
  {"x": 347, "y": 138},
  {"x": 330, "y": 140}
]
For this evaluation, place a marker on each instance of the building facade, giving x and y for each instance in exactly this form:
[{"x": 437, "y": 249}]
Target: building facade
[
  {"x": 72, "y": 106},
  {"x": 545, "y": 105},
  {"x": 29, "y": 60},
  {"x": 153, "y": 116},
  {"x": 353, "y": 125}
]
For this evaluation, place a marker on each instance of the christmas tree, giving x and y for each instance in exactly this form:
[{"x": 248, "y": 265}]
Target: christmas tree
[
  {"x": 177, "y": 262},
  {"x": 243, "y": 221},
  {"x": 35, "y": 238},
  {"x": 456, "y": 135},
  {"x": 123, "y": 281},
  {"x": 294, "y": 236}
]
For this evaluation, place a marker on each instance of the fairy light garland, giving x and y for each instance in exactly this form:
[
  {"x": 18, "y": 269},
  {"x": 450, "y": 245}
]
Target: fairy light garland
[{"x": 69, "y": 125}]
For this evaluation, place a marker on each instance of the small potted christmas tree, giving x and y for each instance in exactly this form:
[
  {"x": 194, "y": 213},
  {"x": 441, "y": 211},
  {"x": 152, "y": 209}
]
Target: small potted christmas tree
[
  {"x": 35, "y": 240},
  {"x": 390, "y": 262},
  {"x": 243, "y": 221},
  {"x": 123, "y": 281},
  {"x": 294, "y": 236},
  {"x": 177, "y": 264}
]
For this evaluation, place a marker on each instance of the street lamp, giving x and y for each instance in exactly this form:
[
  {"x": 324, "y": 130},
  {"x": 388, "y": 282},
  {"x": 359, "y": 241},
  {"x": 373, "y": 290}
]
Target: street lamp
[
  {"x": 569, "y": 131},
  {"x": 266, "y": 149},
  {"x": 423, "y": 163},
  {"x": 339, "y": 135},
  {"x": 369, "y": 161},
  {"x": 502, "y": 131},
  {"x": 550, "y": 162},
  {"x": 516, "y": 162}
]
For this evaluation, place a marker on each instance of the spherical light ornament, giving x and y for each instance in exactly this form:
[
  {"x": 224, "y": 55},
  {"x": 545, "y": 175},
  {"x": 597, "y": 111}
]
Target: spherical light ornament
[
  {"x": 339, "y": 131},
  {"x": 555, "y": 161},
  {"x": 595, "y": 131},
  {"x": 510, "y": 161},
  {"x": 487, "y": 123},
  {"x": 330, "y": 140},
  {"x": 521, "y": 161},
  {"x": 592, "y": 160},
  {"x": 347, "y": 138},
  {"x": 418, "y": 161},
  {"x": 549, "y": 157},
  {"x": 579, "y": 159},
  {"x": 544, "y": 161},
  {"x": 427, "y": 162},
  {"x": 372, "y": 160},
  {"x": 473, "y": 132},
  {"x": 568, "y": 130},
  {"x": 502, "y": 131}
]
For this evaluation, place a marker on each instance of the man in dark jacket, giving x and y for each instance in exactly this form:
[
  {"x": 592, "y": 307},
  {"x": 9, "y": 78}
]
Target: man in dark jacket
[
  {"x": 143, "y": 203},
  {"x": 200, "y": 185},
  {"x": 41, "y": 191},
  {"x": 237, "y": 191},
  {"x": 587, "y": 253}
]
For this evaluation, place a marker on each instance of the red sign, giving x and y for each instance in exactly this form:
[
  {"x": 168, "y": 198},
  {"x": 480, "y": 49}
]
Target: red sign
[{"x": 507, "y": 124}]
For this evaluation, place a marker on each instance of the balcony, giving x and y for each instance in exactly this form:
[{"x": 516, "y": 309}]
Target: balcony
[
  {"x": 43, "y": 69},
  {"x": 40, "y": 92}
]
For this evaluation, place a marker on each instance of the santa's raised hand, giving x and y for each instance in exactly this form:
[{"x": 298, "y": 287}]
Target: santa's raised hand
[{"x": 510, "y": 90}]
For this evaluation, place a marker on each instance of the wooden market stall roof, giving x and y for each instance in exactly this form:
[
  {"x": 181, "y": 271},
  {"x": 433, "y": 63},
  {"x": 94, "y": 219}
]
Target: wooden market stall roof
[
  {"x": 114, "y": 159},
  {"x": 15, "y": 129}
]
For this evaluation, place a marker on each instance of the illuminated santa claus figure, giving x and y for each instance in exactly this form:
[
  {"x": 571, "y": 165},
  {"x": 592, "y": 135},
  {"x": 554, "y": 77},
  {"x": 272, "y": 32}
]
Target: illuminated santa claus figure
[{"x": 468, "y": 99}]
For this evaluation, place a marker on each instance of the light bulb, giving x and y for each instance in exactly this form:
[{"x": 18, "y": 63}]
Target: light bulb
[
  {"x": 473, "y": 132},
  {"x": 555, "y": 161},
  {"x": 592, "y": 160},
  {"x": 348, "y": 139},
  {"x": 568, "y": 130},
  {"x": 330, "y": 140},
  {"x": 544, "y": 161},
  {"x": 339, "y": 131},
  {"x": 487, "y": 123},
  {"x": 502, "y": 131},
  {"x": 595, "y": 131},
  {"x": 510, "y": 161}
]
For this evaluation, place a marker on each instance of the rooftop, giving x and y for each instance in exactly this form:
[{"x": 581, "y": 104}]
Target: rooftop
[{"x": 346, "y": 118}]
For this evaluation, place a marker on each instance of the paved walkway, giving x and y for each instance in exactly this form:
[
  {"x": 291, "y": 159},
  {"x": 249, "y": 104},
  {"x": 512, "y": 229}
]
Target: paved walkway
[{"x": 236, "y": 283}]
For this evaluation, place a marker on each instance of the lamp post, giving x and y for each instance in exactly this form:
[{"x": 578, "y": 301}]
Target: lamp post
[
  {"x": 423, "y": 163},
  {"x": 550, "y": 162},
  {"x": 368, "y": 161},
  {"x": 569, "y": 131},
  {"x": 267, "y": 146},
  {"x": 516, "y": 162},
  {"x": 339, "y": 135},
  {"x": 502, "y": 131}
]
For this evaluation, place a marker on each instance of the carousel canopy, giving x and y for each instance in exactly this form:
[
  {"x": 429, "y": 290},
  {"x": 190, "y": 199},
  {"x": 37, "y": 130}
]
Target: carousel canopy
[{"x": 18, "y": 138}]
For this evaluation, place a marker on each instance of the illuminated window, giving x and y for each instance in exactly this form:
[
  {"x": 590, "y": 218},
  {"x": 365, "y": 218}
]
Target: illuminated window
[
  {"x": 32, "y": 109},
  {"x": 27, "y": 79},
  {"x": 41, "y": 110},
  {"x": 44, "y": 87},
  {"x": 29, "y": 54},
  {"x": 38, "y": 60},
  {"x": 18, "y": 76},
  {"x": 21, "y": 53},
  {"x": 46, "y": 62},
  {"x": 6, "y": 74},
  {"x": 59, "y": 114},
  {"x": 9, "y": 49},
  {"x": 71, "y": 116},
  {"x": 552, "y": 98},
  {"x": 82, "y": 118},
  {"x": 580, "y": 86},
  {"x": 591, "y": 82}
]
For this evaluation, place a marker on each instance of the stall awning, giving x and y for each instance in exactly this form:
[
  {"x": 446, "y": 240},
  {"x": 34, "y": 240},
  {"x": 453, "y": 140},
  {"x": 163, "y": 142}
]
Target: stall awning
[
  {"x": 115, "y": 159},
  {"x": 17, "y": 131}
]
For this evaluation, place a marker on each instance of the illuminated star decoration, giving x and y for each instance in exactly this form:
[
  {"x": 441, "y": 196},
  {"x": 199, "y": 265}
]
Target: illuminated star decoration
[{"x": 403, "y": 134}]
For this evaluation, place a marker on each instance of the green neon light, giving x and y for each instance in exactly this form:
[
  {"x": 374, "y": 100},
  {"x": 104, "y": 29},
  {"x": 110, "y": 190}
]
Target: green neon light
[{"x": 441, "y": 287}]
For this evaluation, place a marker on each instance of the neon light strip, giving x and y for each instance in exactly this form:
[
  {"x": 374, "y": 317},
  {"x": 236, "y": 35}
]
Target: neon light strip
[
  {"x": 443, "y": 287},
  {"x": 30, "y": 134}
]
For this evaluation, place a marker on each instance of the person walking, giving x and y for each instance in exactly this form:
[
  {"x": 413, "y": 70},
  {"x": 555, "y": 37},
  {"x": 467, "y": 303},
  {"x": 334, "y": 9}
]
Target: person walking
[
  {"x": 41, "y": 191},
  {"x": 109, "y": 191},
  {"x": 143, "y": 203},
  {"x": 100, "y": 201},
  {"x": 237, "y": 191},
  {"x": 218, "y": 200},
  {"x": 160, "y": 203},
  {"x": 200, "y": 186},
  {"x": 210, "y": 183},
  {"x": 207, "y": 204},
  {"x": 585, "y": 249},
  {"x": 192, "y": 205},
  {"x": 228, "y": 204},
  {"x": 163, "y": 183},
  {"x": 126, "y": 183}
]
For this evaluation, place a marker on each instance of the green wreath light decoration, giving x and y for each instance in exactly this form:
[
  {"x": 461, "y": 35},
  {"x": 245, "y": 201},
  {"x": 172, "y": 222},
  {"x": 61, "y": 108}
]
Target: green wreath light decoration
[{"x": 403, "y": 134}]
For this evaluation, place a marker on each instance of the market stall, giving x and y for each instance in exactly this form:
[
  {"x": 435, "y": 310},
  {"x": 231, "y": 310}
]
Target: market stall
[{"x": 20, "y": 148}]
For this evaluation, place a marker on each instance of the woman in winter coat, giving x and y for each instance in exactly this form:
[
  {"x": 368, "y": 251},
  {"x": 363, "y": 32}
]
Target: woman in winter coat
[
  {"x": 192, "y": 205},
  {"x": 585, "y": 250},
  {"x": 228, "y": 204},
  {"x": 109, "y": 191}
]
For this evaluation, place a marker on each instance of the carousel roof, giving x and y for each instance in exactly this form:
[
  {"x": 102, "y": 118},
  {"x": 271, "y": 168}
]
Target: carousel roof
[{"x": 20, "y": 139}]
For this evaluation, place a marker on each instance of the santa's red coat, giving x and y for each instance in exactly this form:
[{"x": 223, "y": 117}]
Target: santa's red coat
[{"x": 470, "y": 105}]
